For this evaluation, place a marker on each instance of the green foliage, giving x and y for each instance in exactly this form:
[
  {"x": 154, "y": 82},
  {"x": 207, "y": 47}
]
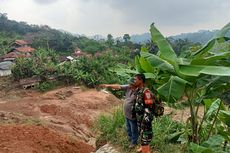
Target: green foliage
[
  {"x": 23, "y": 68},
  {"x": 6, "y": 38},
  {"x": 198, "y": 76},
  {"x": 42, "y": 63},
  {"x": 164, "y": 142},
  {"x": 110, "y": 40},
  {"x": 110, "y": 125},
  {"x": 89, "y": 71},
  {"x": 45, "y": 86},
  {"x": 45, "y": 37},
  {"x": 12, "y": 26},
  {"x": 212, "y": 145},
  {"x": 126, "y": 38},
  {"x": 112, "y": 129},
  {"x": 182, "y": 46},
  {"x": 89, "y": 45},
  {"x": 95, "y": 72}
]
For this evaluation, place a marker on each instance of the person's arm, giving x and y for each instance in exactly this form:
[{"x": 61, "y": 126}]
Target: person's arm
[{"x": 112, "y": 86}]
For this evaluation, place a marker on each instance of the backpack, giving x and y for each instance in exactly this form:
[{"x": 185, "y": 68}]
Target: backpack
[
  {"x": 157, "y": 105},
  {"x": 158, "y": 108}
]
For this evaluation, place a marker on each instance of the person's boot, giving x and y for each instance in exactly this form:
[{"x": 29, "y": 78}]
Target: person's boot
[
  {"x": 139, "y": 150},
  {"x": 145, "y": 149}
]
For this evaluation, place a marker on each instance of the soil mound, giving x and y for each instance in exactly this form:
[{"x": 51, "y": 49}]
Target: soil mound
[
  {"x": 37, "y": 139},
  {"x": 34, "y": 122}
]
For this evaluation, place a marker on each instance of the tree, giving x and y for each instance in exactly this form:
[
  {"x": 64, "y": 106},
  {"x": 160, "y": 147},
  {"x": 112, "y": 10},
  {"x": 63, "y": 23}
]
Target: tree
[
  {"x": 181, "y": 45},
  {"x": 110, "y": 40},
  {"x": 3, "y": 16},
  {"x": 126, "y": 38}
]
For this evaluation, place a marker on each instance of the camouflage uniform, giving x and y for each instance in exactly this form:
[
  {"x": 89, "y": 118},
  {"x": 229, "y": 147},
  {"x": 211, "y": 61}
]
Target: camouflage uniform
[{"x": 143, "y": 108}]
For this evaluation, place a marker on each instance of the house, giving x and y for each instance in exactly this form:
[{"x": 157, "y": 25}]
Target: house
[
  {"x": 5, "y": 68},
  {"x": 20, "y": 48},
  {"x": 78, "y": 53},
  {"x": 19, "y": 43},
  {"x": 65, "y": 58}
]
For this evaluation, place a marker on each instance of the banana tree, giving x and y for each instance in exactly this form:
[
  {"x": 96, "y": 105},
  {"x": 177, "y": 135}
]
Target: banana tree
[{"x": 200, "y": 76}]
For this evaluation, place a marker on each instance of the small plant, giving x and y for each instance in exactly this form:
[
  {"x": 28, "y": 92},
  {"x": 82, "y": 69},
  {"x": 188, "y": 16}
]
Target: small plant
[{"x": 45, "y": 86}]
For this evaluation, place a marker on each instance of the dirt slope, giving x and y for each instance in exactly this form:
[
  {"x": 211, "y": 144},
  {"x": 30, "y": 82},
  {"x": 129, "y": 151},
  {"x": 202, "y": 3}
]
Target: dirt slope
[{"x": 56, "y": 121}]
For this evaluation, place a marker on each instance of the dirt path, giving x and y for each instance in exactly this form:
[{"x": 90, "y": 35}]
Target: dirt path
[{"x": 31, "y": 121}]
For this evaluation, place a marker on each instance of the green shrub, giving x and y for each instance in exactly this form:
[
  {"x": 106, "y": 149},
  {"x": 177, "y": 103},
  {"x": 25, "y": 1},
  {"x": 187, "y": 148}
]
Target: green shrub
[
  {"x": 42, "y": 63},
  {"x": 163, "y": 128},
  {"x": 112, "y": 129},
  {"x": 45, "y": 86},
  {"x": 90, "y": 71}
]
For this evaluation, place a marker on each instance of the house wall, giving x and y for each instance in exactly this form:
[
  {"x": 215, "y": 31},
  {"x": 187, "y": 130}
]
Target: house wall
[{"x": 5, "y": 72}]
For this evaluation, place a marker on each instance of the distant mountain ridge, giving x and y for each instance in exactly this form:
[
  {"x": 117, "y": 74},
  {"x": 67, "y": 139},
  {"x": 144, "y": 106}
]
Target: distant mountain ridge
[
  {"x": 140, "y": 38},
  {"x": 202, "y": 36}
]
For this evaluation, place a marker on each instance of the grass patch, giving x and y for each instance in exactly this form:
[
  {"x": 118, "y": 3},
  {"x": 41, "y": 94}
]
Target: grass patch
[
  {"x": 111, "y": 128},
  {"x": 162, "y": 128}
]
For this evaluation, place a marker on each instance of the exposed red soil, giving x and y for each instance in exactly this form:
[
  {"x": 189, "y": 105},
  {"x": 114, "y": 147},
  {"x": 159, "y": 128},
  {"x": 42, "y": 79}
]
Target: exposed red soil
[
  {"x": 34, "y": 122},
  {"x": 37, "y": 139},
  {"x": 58, "y": 121}
]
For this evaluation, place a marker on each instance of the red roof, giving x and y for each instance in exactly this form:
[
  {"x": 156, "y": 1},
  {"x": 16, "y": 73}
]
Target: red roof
[
  {"x": 13, "y": 55},
  {"x": 25, "y": 49},
  {"x": 21, "y": 42},
  {"x": 78, "y": 53}
]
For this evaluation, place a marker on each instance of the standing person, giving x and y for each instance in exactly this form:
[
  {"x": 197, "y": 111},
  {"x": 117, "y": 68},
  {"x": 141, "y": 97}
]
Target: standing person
[
  {"x": 130, "y": 119},
  {"x": 144, "y": 115}
]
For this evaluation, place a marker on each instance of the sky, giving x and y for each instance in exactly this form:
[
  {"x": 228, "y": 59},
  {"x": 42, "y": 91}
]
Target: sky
[{"x": 118, "y": 17}]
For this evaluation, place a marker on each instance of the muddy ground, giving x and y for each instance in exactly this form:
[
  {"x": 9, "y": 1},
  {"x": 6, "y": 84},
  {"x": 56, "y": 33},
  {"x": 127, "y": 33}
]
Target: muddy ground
[
  {"x": 60, "y": 120},
  {"x": 57, "y": 121}
]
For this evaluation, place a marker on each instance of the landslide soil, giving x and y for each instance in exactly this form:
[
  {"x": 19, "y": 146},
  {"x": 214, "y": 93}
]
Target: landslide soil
[{"x": 57, "y": 121}]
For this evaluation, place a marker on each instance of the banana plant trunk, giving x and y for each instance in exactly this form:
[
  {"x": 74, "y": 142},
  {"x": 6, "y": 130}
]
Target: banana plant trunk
[{"x": 193, "y": 119}]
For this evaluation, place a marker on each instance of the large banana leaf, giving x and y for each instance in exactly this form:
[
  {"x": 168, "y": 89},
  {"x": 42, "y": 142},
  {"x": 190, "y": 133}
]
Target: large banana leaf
[
  {"x": 123, "y": 70},
  {"x": 144, "y": 49},
  {"x": 223, "y": 31},
  {"x": 216, "y": 85},
  {"x": 210, "y": 59},
  {"x": 196, "y": 70},
  {"x": 157, "y": 62},
  {"x": 150, "y": 75},
  {"x": 145, "y": 65},
  {"x": 225, "y": 134},
  {"x": 199, "y": 149},
  {"x": 173, "y": 89},
  {"x": 213, "y": 142},
  {"x": 225, "y": 117},
  {"x": 212, "y": 109},
  {"x": 138, "y": 65},
  {"x": 205, "y": 48},
  {"x": 166, "y": 51},
  {"x": 211, "y": 43}
]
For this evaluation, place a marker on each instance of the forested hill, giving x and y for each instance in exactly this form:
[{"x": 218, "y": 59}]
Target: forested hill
[
  {"x": 201, "y": 36},
  {"x": 43, "y": 36}
]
